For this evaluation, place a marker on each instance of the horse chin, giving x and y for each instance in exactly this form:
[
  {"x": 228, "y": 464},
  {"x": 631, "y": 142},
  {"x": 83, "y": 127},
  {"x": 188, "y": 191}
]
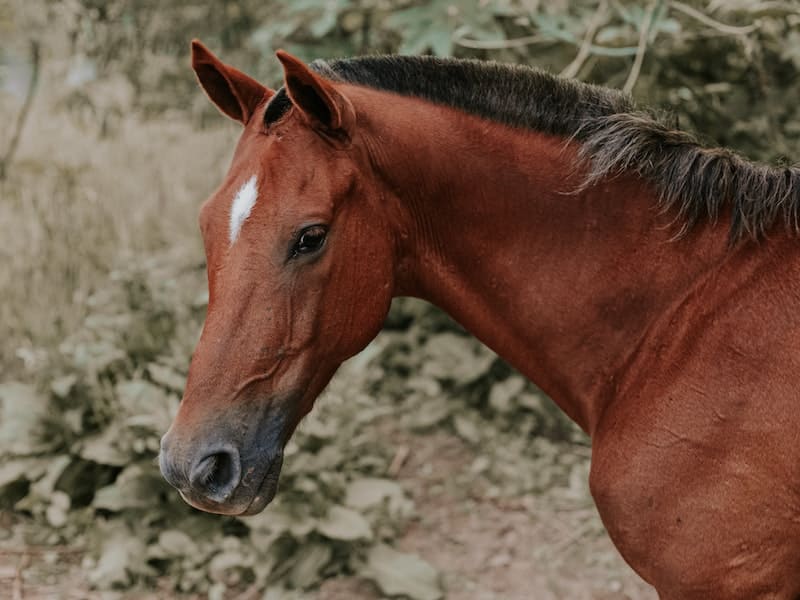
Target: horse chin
[
  {"x": 260, "y": 502},
  {"x": 211, "y": 507}
]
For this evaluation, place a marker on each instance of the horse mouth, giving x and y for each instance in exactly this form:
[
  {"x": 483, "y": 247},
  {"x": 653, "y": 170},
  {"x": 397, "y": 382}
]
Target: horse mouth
[
  {"x": 267, "y": 489},
  {"x": 239, "y": 472},
  {"x": 240, "y": 506}
]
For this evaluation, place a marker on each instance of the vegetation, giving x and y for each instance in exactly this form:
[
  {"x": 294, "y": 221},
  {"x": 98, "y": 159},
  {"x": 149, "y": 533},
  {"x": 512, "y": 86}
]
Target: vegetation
[{"x": 103, "y": 284}]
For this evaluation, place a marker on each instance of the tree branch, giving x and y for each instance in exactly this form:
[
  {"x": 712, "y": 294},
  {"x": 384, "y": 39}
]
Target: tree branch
[
  {"x": 571, "y": 70},
  {"x": 22, "y": 116},
  {"x": 630, "y": 82},
  {"x": 706, "y": 20}
]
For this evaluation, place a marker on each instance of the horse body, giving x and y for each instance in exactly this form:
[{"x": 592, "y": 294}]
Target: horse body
[
  {"x": 665, "y": 352},
  {"x": 679, "y": 358},
  {"x": 694, "y": 464}
]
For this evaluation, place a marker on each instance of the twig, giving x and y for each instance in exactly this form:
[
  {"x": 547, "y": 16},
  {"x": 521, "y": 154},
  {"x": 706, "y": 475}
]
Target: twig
[
  {"x": 551, "y": 37},
  {"x": 499, "y": 44},
  {"x": 400, "y": 457},
  {"x": 23, "y": 113},
  {"x": 641, "y": 48},
  {"x": 706, "y": 20},
  {"x": 598, "y": 17}
]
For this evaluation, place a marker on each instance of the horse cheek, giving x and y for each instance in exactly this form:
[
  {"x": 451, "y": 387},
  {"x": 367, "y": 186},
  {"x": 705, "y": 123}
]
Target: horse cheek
[{"x": 365, "y": 305}]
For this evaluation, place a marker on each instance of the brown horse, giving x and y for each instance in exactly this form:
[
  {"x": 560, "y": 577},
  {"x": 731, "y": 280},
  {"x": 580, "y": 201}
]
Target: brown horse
[{"x": 649, "y": 285}]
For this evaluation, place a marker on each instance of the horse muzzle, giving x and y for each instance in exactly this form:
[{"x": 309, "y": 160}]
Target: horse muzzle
[{"x": 231, "y": 470}]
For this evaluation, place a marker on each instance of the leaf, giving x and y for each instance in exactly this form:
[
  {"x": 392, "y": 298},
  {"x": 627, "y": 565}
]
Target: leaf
[
  {"x": 440, "y": 42},
  {"x": 174, "y": 542},
  {"x": 56, "y": 465},
  {"x": 467, "y": 429},
  {"x": 94, "y": 357},
  {"x": 532, "y": 402},
  {"x": 275, "y": 520},
  {"x": 791, "y": 49},
  {"x": 62, "y": 386},
  {"x": 430, "y": 415},
  {"x": 44, "y": 488},
  {"x": 503, "y": 392},
  {"x": 217, "y": 591},
  {"x": 23, "y": 413},
  {"x": 224, "y": 562},
  {"x": 456, "y": 357},
  {"x": 134, "y": 487},
  {"x": 83, "y": 70},
  {"x": 344, "y": 524},
  {"x": 312, "y": 558},
  {"x": 226, "y": 566},
  {"x": 139, "y": 398},
  {"x": 319, "y": 428},
  {"x": 109, "y": 498},
  {"x": 398, "y": 573},
  {"x": 22, "y": 468},
  {"x": 423, "y": 28},
  {"x": 56, "y": 513},
  {"x": 367, "y": 492},
  {"x": 323, "y": 24},
  {"x": 326, "y": 47},
  {"x": 102, "y": 448},
  {"x": 167, "y": 377},
  {"x": 122, "y": 554}
]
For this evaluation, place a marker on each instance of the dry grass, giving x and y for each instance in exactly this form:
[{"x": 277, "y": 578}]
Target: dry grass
[{"x": 76, "y": 203}]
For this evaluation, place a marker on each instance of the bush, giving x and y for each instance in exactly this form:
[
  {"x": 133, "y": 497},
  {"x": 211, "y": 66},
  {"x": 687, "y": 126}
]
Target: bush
[
  {"x": 79, "y": 434},
  {"x": 80, "y": 445}
]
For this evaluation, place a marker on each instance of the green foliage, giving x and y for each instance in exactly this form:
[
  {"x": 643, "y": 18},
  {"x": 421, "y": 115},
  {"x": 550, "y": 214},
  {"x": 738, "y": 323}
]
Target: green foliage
[
  {"x": 692, "y": 54},
  {"x": 79, "y": 448},
  {"x": 79, "y": 437},
  {"x": 399, "y": 574}
]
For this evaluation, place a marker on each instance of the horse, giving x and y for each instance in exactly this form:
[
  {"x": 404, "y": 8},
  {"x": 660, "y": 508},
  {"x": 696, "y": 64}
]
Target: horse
[{"x": 649, "y": 284}]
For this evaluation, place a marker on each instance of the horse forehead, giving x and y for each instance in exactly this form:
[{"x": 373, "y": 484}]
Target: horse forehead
[
  {"x": 244, "y": 199},
  {"x": 253, "y": 185}
]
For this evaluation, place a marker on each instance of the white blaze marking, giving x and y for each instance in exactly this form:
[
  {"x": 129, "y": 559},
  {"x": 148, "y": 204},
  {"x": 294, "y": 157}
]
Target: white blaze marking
[{"x": 242, "y": 205}]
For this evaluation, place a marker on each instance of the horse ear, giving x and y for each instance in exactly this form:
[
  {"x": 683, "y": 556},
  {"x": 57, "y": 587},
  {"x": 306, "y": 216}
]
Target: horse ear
[
  {"x": 233, "y": 92},
  {"x": 315, "y": 96}
]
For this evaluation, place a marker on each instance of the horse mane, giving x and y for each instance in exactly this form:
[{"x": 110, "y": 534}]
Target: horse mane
[{"x": 696, "y": 181}]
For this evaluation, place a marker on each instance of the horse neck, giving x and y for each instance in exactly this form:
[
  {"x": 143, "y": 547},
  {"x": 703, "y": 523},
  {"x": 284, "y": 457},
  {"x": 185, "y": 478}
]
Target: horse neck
[{"x": 562, "y": 285}]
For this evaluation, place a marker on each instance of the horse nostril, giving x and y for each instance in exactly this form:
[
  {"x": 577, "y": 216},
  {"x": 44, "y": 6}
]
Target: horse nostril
[{"x": 216, "y": 475}]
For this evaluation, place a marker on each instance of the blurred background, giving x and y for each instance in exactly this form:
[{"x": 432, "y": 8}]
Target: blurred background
[{"x": 429, "y": 469}]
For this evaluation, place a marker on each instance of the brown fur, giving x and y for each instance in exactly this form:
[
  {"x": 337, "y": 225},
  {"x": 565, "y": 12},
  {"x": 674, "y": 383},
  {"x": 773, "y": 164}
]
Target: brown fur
[
  {"x": 680, "y": 359},
  {"x": 696, "y": 182}
]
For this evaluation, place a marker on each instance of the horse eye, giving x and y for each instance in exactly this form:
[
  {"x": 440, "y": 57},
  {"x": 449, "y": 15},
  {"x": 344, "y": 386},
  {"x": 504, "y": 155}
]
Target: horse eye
[{"x": 310, "y": 240}]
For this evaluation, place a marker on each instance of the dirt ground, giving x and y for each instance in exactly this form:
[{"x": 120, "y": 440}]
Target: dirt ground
[{"x": 544, "y": 547}]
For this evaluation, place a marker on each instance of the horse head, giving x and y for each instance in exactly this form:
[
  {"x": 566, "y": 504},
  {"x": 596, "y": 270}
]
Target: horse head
[{"x": 300, "y": 261}]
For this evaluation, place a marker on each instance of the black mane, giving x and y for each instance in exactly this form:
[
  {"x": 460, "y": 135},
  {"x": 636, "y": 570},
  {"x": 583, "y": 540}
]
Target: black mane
[{"x": 696, "y": 181}]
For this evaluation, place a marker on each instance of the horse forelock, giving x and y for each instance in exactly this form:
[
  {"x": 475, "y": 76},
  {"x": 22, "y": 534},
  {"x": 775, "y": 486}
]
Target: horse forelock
[{"x": 699, "y": 182}]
